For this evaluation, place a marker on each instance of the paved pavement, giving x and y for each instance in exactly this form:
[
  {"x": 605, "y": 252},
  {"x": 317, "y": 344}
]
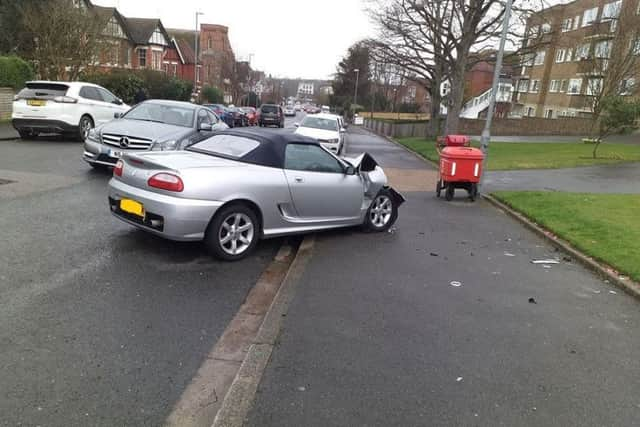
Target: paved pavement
[
  {"x": 100, "y": 324},
  {"x": 619, "y": 178},
  {"x": 377, "y": 335}
]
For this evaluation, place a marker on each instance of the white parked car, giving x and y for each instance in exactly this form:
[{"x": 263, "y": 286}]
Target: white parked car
[
  {"x": 325, "y": 109},
  {"x": 70, "y": 108},
  {"x": 326, "y": 128},
  {"x": 289, "y": 111}
]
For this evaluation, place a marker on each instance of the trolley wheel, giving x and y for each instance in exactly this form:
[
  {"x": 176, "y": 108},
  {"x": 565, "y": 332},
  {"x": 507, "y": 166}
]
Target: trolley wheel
[
  {"x": 473, "y": 192},
  {"x": 448, "y": 195},
  {"x": 438, "y": 188}
]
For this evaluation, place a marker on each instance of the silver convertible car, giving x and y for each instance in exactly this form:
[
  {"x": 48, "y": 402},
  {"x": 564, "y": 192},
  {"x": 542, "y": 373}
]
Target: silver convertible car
[{"x": 238, "y": 186}]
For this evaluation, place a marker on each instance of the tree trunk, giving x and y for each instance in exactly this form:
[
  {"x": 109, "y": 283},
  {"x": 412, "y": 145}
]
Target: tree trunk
[
  {"x": 433, "y": 129},
  {"x": 455, "y": 99},
  {"x": 595, "y": 148}
]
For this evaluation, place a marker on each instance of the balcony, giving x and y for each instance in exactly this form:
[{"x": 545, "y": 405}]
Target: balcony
[{"x": 601, "y": 30}]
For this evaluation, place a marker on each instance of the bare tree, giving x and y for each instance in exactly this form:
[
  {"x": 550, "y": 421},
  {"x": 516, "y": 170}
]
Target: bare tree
[{"x": 66, "y": 37}]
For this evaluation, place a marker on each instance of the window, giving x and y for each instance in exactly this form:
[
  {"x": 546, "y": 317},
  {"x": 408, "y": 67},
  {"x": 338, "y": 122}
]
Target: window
[
  {"x": 531, "y": 111},
  {"x": 564, "y": 85},
  {"x": 548, "y": 114},
  {"x": 226, "y": 145},
  {"x": 142, "y": 58},
  {"x": 107, "y": 96},
  {"x": 567, "y": 24},
  {"x": 555, "y": 86},
  {"x": 635, "y": 46},
  {"x": 560, "y": 55},
  {"x": 206, "y": 116},
  {"x": 611, "y": 10},
  {"x": 127, "y": 57},
  {"x": 112, "y": 55},
  {"x": 576, "y": 22},
  {"x": 540, "y": 57},
  {"x": 535, "y": 86},
  {"x": 311, "y": 158},
  {"x": 523, "y": 86},
  {"x": 156, "y": 58},
  {"x": 638, "y": 9},
  {"x": 574, "y": 86},
  {"x": 546, "y": 28},
  {"x": 594, "y": 87},
  {"x": 175, "y": 69},
  {"x": 627, "y": 86},
  {"x": 603, "y": 49},
  {"x": 582, "y": 51},
  {"x": 209, "y": 43},
  {"x": 569, "y": 56},
  {"x": 90, "y": 92},
  {"x": 533, "y": 31},
  {"x": 529, "y": 59},
  {"x": 114, "y": 29},
  {"x": 589, "y": 16}
]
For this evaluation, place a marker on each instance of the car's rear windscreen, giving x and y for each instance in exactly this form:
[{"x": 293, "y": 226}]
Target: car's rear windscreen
[
  {"x": 43, "y": 90},
  {"x": 269, "y": 109}
]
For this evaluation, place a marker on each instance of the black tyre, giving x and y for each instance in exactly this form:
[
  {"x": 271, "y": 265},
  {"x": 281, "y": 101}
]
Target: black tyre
[
  {"x": 99, "y": 167},
  {"x": 25, "y": 134},
  {"x": 448, "y": 195},
  {"x": 382, "y": 213},
  {"x": 438, "y": 188},
  {"x": 84, "y": 127},
  {"x": 473, "y": 192},
  {"x": 233, "y": 233}
]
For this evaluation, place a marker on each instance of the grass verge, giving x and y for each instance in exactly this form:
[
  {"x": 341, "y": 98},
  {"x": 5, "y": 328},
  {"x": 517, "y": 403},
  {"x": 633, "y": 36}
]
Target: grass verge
[
  {"x": 603, "y": 226},
  {"x": 538, "y": 155}
]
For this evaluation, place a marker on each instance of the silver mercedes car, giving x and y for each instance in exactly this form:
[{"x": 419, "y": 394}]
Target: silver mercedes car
[
  {"x": 238, "y": 186},
  {"x": 151, "y": 125}
]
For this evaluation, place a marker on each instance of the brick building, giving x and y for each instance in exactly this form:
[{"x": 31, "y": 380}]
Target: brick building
[{"x": 571, "y": 49}]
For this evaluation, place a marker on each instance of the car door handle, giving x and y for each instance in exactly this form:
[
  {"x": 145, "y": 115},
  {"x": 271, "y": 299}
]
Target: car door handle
[{"x": 299, "y": 179}]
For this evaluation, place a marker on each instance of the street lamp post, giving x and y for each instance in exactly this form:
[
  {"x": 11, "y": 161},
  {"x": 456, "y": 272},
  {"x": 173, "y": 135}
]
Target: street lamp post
[
  {"x": 355, "y": 95},
  {"x": 486, "y": 133},
  {"x": 195, "y": 67}
]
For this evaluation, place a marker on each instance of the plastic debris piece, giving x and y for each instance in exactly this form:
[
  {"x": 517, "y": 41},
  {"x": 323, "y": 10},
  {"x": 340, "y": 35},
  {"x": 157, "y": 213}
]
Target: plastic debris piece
[
  {"x": 545, "y": 261},
  {"x": 455, "y": 284},
  {"x": 433, "y": 254},
  {"x": 613, "y": 292},
  {"x": 509, "y": 254},
  {"x": 458, "y": 379},
  {"x": 532, "y": 301},
  {"x": 546, "y": 266},
  {"x": 302, "y": 388}
]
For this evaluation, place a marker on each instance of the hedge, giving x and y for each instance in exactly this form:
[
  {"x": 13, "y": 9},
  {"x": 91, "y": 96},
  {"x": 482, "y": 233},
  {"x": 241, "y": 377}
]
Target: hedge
[
  {"x": 127, "y": 84},
  {"x": 14, "y": 72}
]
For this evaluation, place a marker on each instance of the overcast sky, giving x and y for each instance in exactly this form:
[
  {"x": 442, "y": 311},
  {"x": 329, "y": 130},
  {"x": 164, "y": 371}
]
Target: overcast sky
[{"x": 288, "y": 38}]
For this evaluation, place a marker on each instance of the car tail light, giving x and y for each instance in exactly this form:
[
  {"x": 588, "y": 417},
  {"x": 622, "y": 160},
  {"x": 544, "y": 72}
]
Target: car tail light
[
  {"x": 117, "y": 169},
  {"x": 166, "y": 181},
  {"x": 65, "y": 99}
]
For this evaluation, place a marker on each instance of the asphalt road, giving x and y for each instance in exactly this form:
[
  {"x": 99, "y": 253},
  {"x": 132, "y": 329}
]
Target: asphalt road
[
  {"x": 100, "y": 324},
  {"x": 377, "y": 335}
]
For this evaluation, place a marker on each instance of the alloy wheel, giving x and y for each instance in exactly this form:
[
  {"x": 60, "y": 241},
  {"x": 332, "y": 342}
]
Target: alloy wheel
[
  {"x": 381, "y": 211},
  {"x": 85, "y": 127},
  {"x": 236, "y": 233}
]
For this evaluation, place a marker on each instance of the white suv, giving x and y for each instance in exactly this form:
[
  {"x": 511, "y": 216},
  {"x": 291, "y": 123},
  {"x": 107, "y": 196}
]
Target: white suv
[{"x": 70, "y": 108}]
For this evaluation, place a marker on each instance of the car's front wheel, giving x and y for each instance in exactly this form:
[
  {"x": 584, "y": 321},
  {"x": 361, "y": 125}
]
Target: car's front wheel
[
  {"x": 233, "y": 233},
  {"x": 382, "y": 213},
  {"x": 84, "y": 127}
]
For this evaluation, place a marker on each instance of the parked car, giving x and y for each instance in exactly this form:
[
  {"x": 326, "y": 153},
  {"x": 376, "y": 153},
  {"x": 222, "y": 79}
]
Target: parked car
[
  {"x": 240, "y": 185},
  {"x": 325, "y": 128},
  {"x": 289, "y": 111},
  {"x": 151, "y": 125},
  {"x": 252, "y": 116},
  {"x": 271, "y": 114},
  {"x": 223, "y": 112},
  {"x": 68, "y": 108},
  {"x": 239, "y": 117}
]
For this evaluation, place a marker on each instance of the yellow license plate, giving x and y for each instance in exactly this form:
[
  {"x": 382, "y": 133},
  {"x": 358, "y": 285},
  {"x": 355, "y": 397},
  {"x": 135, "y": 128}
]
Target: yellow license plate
[
  {"x": 36, "y": 102},
  {"x": 132, "y": 207}
]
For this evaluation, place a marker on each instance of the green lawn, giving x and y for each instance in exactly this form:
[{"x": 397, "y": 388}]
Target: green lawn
[
  {"x": 537, "y": 155},
  {"x": 604, "y": 226}
]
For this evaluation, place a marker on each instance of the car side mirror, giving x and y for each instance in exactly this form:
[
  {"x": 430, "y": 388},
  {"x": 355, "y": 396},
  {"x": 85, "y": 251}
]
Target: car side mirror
[
  {"x": 343, "y": 130},
  {"x": 207, "y": 127},
  {"x": 297, "y": 125},
  {"x": 117, "y": 101},
  {"x": 350, "y": 170},
  {"x": 117, "y": 115}
]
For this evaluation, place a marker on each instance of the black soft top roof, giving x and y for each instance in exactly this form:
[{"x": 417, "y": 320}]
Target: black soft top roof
[{"x": 273, "y": 144}]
